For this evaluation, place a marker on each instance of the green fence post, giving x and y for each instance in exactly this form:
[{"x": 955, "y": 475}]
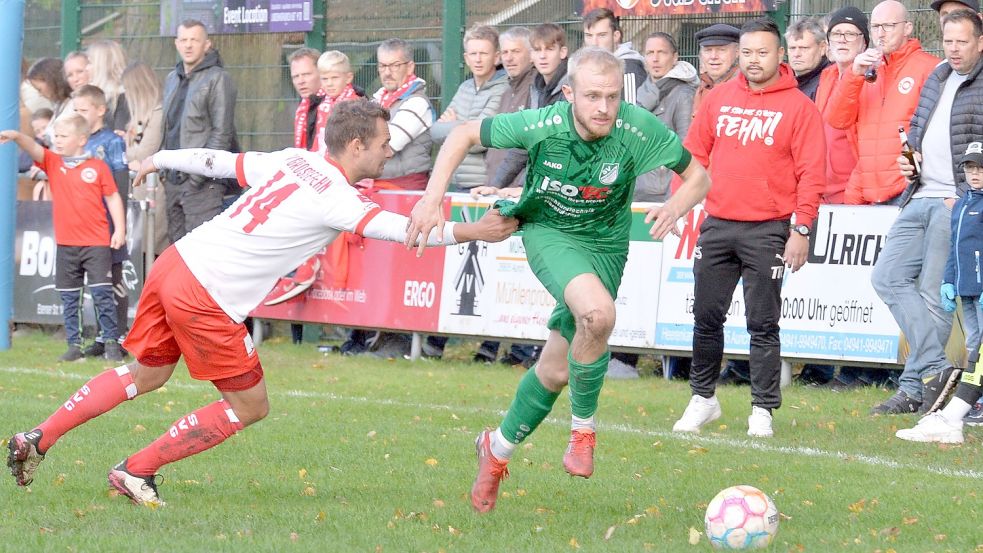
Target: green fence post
[
  {"x": 781, "y": 16},
  {"x": 453, "y": 62},
  {"x": 316, "y": 38},
  {"x": 71, "y": 26}
]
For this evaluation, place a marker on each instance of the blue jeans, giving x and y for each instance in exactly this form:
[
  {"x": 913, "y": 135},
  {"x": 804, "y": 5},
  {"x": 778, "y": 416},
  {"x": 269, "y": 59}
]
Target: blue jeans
[
  {"x": 102, "y": 297},
  {"x": 907, "y": 277},
  {"x": 972, "y": 322}
]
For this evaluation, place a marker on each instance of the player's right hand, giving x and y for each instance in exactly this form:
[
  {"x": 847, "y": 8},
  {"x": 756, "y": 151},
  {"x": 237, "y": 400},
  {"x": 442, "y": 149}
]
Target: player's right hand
[
  {"x": 146, "y": 168},
  {"x": 425, "y": 217},
  {"x": 8, "y": 136}
]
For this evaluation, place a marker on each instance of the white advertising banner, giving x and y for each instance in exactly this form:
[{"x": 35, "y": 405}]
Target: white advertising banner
[
  {"x": 489, "y": 289},
  {"x": 829, "y": 309}
]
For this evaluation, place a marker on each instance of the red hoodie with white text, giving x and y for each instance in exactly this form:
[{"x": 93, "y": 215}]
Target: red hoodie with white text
[{"x": 765, "y": 150}]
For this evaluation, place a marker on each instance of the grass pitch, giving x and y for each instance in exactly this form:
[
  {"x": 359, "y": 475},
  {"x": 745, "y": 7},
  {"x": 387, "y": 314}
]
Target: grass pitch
[{"x": 360, "y": 454}]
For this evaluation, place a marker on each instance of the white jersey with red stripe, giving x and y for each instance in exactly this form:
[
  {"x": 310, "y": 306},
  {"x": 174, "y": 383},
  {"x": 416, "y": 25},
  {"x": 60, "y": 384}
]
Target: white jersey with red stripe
[{"x": 295, "y": 204}]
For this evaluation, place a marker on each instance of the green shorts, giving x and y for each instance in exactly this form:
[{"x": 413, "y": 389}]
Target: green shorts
[{"x": 557, "y": 257}]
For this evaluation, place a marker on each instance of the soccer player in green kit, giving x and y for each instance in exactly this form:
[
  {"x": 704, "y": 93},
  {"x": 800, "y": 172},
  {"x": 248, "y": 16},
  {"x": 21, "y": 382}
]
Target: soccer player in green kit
[{"x": 575, "y": 215}]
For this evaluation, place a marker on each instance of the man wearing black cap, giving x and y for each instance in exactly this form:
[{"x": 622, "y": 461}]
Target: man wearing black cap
[
  {"x": 944, "y": 7},
  {"x": 718, "y": 58}
]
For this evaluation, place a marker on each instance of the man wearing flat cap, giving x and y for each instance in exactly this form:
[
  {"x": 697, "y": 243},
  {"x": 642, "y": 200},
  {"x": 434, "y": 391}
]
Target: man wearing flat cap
[
  {"x": 718, "y": 58},
  {"x": 944, "y": 7}
]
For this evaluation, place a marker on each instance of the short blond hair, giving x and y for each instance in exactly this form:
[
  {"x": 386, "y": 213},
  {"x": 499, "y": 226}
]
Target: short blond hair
[
  {"x": 592, "y": 55},
  {"x": 482, "y": 32},
  {"x": 74, "y": 122},
  {"x": 333, "y": 60}
]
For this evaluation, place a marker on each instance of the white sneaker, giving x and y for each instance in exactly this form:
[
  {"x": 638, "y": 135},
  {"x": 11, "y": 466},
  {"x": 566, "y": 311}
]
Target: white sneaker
[
  {"x": 933, "y": 428},
  {"x": 759, "y": 423},
  {"x": 700, "y": 411}
]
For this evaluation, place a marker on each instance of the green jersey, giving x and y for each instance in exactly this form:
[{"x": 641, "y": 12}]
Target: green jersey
[{"x": 584, "y": 188}]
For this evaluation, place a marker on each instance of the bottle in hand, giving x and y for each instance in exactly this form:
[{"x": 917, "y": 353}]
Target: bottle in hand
[{"x": 908, "y": 151}]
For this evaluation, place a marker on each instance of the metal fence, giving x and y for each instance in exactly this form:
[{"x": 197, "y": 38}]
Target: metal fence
[{"x": 257, "y": 62}]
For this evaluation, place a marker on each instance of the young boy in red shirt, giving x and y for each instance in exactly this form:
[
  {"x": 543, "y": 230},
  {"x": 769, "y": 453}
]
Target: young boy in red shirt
[{"x": 78, "y": 186}]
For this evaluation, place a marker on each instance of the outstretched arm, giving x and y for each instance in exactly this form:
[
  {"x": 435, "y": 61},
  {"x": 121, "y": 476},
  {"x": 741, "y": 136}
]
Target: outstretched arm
[
  {"x": 427, "y": 214},
  {"x": 216, "y": 164},
  {"x": 492, "y": 227},
  {"x": 696, "y": 184},
  {"x": 26, "y": 143}
]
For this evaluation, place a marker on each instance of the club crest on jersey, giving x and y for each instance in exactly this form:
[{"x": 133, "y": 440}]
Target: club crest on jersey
[
  {"x": 89, "y": 175},
  {"x": 609, "y": 173}
]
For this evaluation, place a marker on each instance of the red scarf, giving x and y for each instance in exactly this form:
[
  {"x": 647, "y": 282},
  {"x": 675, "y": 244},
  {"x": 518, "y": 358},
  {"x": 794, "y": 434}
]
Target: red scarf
[
  {"x": 389, "y": 98},
  {"x": 300, "y": 120},
  {"x": 324, "y": 111}
]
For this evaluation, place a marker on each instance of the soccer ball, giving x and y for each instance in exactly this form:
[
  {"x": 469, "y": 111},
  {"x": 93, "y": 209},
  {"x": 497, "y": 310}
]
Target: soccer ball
[{"x": 741, "y": 517}]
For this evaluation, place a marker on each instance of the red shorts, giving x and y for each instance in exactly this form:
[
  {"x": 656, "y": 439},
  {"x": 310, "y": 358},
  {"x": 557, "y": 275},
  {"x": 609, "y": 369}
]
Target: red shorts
[{"x": 176, "y": 316}]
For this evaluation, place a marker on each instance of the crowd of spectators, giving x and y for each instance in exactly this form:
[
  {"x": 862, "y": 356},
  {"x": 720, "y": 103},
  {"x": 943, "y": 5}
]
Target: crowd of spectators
[{"x": 864, "y": 79}]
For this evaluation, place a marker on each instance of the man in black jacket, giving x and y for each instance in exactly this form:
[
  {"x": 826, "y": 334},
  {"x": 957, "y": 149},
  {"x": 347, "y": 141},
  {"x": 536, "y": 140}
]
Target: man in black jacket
[
  {"x": 807, "y": 46},
  {"x": 602, "y": 29},
  {"x": 199, "y": 111}
]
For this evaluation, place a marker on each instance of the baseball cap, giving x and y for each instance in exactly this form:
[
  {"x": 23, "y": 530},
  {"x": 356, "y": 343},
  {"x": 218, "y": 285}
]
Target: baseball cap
[
  {"x": 971, "y": 4},
  {"x": 718, "y": 35},
  {"x": 974, "y": 153}
]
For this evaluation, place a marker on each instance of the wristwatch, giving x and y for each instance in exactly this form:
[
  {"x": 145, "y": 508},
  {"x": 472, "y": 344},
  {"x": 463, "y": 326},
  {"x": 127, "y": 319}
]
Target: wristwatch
[{"x": 801, "y": 229}]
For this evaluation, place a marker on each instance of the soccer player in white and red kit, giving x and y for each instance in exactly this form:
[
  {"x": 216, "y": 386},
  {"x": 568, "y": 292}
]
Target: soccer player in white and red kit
[{"x": 202, "y": 288}]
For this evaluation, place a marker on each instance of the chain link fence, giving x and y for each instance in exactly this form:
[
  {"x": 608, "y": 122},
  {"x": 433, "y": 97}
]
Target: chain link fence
[{"x": 257, "y": 62}]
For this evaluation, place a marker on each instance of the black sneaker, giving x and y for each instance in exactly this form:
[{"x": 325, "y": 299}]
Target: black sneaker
[
  {"x": 936, "y": 389},
  {"x": 95, "y": 349},
  {"x": 975, "y": 415},
  {"x": 113, "y": 351},
  {"x": 74, "y": 353},
  {"x": 898, "y": 404}
]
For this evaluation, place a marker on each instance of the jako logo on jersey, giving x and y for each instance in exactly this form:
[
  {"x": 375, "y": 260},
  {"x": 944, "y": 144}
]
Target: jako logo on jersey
[
  {"x": 419, "y": 294},
  {"x": 748, "y": 124},
  {"x": 609, "y": 173},
  {"x": 89, "y": 175},
  {"x": 553, "y": 164}
]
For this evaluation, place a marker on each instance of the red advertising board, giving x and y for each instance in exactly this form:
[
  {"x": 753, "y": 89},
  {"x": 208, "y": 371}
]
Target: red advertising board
[
  {"x": 680, "y": 7},
  {"x": 386, "y": 285}
]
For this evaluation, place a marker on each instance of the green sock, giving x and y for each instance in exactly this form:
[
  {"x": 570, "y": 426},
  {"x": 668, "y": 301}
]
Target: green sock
[
  {"x": 531, "y": 405},
  {"x": 585, "y": 384}
]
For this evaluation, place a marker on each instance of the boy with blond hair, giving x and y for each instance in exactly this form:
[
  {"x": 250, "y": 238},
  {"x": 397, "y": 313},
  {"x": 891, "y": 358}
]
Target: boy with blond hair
[{"x": 79, "y": 186}]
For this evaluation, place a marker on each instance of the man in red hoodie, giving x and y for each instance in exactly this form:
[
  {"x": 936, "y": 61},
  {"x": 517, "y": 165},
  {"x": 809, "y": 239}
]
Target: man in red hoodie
[
  {"x": 757, "y": 134},
  {"x": 876, "y": 109}
]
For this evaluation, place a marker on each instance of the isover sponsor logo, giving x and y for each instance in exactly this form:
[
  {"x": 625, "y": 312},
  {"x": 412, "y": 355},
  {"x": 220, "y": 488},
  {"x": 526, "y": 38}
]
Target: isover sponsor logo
[{"x": 571, "y": 191}]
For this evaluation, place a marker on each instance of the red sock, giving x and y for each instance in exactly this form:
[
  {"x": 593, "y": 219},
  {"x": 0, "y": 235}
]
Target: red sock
[
  {"x": 99, "y": 395},
  {"x": 205, "y": 428}
]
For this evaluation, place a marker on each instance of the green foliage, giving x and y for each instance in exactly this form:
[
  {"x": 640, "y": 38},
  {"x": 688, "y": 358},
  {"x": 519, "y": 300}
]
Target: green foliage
[{"x": 361, "y": 454}]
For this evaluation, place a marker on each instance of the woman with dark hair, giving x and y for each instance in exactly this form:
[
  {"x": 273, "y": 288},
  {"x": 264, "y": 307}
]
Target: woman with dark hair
[{"x": 48, "y": 77}]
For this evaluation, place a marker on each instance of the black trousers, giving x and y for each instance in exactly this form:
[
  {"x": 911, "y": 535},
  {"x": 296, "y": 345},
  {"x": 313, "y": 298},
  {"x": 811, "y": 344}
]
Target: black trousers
[{"x": 726, "y": 252}]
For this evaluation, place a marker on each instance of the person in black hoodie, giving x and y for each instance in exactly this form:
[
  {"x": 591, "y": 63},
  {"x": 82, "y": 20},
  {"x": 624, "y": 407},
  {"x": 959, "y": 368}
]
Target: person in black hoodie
[
  {"x": 196, "y": 119},
  {"x": 602, "y": 29},
  {"x": 807, "y": 47}
]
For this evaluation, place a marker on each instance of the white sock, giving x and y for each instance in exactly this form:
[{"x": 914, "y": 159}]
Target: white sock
[
  {"x": 582, "y": 424},
  {"x": 501, "y": 448},
  {"x": 955, "y": 410}
]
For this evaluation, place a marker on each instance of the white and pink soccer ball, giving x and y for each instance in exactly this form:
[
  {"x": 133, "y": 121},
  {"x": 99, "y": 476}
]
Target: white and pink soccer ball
[{"x": 741, "y": 517}]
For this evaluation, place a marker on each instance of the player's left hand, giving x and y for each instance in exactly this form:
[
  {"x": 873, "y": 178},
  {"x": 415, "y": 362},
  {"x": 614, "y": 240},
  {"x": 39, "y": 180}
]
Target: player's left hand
[
  {"x": 495, "y": 227},
  {"x": 118, "y": 239},
  {"x": 146, "y": 168},
  {"x": 666, "y": 221},
  {"x": 796, "y": 251}
]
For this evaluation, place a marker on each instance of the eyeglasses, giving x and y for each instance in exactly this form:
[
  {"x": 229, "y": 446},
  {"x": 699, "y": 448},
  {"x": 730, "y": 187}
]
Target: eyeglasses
[
  {"x": 846, "y": 37},
  {"x": 886, "y": 27},
  {"x": 391, "y": 66}
]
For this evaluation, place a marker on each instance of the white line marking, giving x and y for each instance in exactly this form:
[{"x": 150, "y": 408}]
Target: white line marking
[{"x": 871, "y": 460}]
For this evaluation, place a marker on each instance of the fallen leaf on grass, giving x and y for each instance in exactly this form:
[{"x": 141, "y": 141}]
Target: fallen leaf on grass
[
  {"x": 371, "y": 434},
  {"x": 940, "y": 537},
  {"x": 302, "y": 473},
  {"x": 45, "y": 530},
  {"x": 139, "y": 428},
  {"x": 431, "y": 462},
  {"x": 893, "y": 531},
  {"x": 321, "y": 515},
  {"x": 293, "y": 536},
  {"x": 908, "y": 521},
  {"x": 59, "y": 480},
  {"x": 574, "y": 544},
  {"x": 857, "y": 507},
  {"x": 439, "y": 503},
  {"x": 694, "y": 536},
  {"x": 309, "y": 491},
  {"x": 609, "y": 533},
  {"x": 454, "y": 531},
  {"x": 698, "y": 450}
]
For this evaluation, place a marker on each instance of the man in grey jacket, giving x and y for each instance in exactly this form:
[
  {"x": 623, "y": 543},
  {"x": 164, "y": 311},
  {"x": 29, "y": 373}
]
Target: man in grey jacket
[
  {"x": 199, "y": 112},
  {"x": 477, "y": 98}
]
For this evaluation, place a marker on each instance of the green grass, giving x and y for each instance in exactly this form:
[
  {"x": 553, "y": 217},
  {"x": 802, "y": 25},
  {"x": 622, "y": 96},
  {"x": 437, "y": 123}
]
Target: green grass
[{"x": 368, "y": 455}]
